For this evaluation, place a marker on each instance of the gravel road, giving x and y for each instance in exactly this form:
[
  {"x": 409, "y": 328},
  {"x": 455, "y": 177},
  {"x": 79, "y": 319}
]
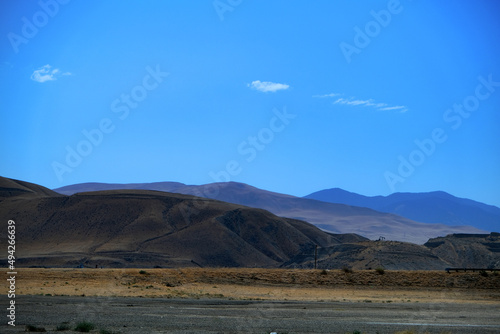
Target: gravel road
[{"x": 160, "y": 315}]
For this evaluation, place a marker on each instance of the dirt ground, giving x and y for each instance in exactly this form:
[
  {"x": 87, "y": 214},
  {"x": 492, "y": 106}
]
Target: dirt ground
[
  {"x": 203, "y": 300},
  {"x": 133, "y": 315},
  {"x": 264, "y": 284}
]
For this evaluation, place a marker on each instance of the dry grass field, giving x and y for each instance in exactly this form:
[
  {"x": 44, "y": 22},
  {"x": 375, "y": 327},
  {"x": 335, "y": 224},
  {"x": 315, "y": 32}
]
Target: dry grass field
[{"x": 264, "y": 284}]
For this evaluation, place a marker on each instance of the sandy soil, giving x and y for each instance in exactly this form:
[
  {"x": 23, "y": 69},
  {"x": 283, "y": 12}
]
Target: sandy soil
[{"x": 263, "y": 284}]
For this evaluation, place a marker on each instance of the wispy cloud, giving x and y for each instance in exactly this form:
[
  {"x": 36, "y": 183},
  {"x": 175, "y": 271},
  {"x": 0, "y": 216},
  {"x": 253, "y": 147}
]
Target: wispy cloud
[
  {"x": 46, "y": 73},
  {"x": 267, "y": 86},
  {"x": 363, "y": 103},
  {"x": 400, "y": 108},
  {"x": 327, "y": 95}
]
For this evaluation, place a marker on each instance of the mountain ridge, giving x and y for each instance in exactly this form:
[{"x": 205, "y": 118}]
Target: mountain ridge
[
  {"x": 332, "y": 217},
  {"x": 429, "y": 207},
  {"x": 144, "y": 228}
]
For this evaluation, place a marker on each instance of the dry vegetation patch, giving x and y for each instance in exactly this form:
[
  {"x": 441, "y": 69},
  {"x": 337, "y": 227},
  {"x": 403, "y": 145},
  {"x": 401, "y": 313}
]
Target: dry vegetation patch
[{"x": 264, "y": 284}]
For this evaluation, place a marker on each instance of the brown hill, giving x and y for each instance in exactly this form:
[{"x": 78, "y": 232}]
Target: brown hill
[
  {"x": 331, "y": 217},
  {"x": 455, "y": 250},
  {"x": 468, "y": 250},
  {"x": 148, "y": 228},
  {"x": 371, "y": 255},
  {"x": 13, "y": 188}
]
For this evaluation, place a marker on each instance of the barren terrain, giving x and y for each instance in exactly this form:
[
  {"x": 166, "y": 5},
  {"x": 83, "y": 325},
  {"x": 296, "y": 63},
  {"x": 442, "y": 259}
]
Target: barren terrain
[
  {"x": 146, "y": 229},
  {"x": 228, "y": 300},
  {"x": 264, "y": 284}
]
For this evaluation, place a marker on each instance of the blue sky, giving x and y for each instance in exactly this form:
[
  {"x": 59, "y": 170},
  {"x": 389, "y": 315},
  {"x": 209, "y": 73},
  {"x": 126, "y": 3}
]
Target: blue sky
[{"x": 369, "y": 96}]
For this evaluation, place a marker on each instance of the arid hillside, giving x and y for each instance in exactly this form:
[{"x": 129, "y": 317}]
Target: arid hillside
[
  {"x": 147, "y": 228},
  {"x": 331, "y": 217},
  {"x": 468, "y": 250},
  {"x": 372, "y": 254},
  {"x": 142, "y": 228},
  {"x": 455, "y": 250},
  {"x": 14, "y": 188}
]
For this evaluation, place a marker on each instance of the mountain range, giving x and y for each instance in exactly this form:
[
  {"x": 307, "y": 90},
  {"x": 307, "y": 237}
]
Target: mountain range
[
  {"x": 146, "y": 228},
  {"x": 331, "y": 217},
  {"x": 431, "y": 207}
]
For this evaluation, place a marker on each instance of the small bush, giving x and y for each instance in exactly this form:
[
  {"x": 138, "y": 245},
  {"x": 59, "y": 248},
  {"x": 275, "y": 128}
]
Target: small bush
[
  {"x": 324, "y": 272},
  {"x": 31, "y": 328},
  {"x": 483, "y": 273},
  {"x": 63, "y": 327},
  {"x": 495, "y": 273},
  {"x": 84, "y": 326},
  {"x": 143, "y": 272},
  {"x": 347, "y": 270},
  {"x": 380, "y": 270}
]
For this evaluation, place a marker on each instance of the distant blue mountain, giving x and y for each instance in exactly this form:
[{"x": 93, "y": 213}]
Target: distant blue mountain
[{"x": 436, "y": 207}]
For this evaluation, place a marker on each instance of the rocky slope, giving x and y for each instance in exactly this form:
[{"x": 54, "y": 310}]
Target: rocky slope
[{"x": 468, "y": 250}]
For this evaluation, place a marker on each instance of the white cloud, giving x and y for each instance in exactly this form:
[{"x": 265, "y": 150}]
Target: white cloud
[
  {"x": 327, "y": 95},
  {"x": 363, "y": 103},
  {"x": 400, "y": 108},
  {"x": 267, "y": 86},
  {"x": 46, "y": 73}
]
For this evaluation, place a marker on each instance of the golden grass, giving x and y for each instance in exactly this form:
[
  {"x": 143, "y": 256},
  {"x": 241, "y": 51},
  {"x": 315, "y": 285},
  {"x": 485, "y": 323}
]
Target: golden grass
[{"x": 263, "y": 284}]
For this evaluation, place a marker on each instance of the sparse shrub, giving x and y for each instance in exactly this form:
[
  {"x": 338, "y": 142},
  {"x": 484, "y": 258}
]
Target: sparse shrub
[
  {"x": 347, "y": 270},
  {"x": 495, "y": 273},
  {"x": 171, "y": 283},
  {"x": 380, "y": 270},
  {"x": 143, "y": 272},
  {"x": 483, "y": 273},
  {"x": 324, "y": 272},
  {"x": 84, "y": 326},
  {"x": 31, "y": 328},
  {"x": 63, "y": 327}
]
